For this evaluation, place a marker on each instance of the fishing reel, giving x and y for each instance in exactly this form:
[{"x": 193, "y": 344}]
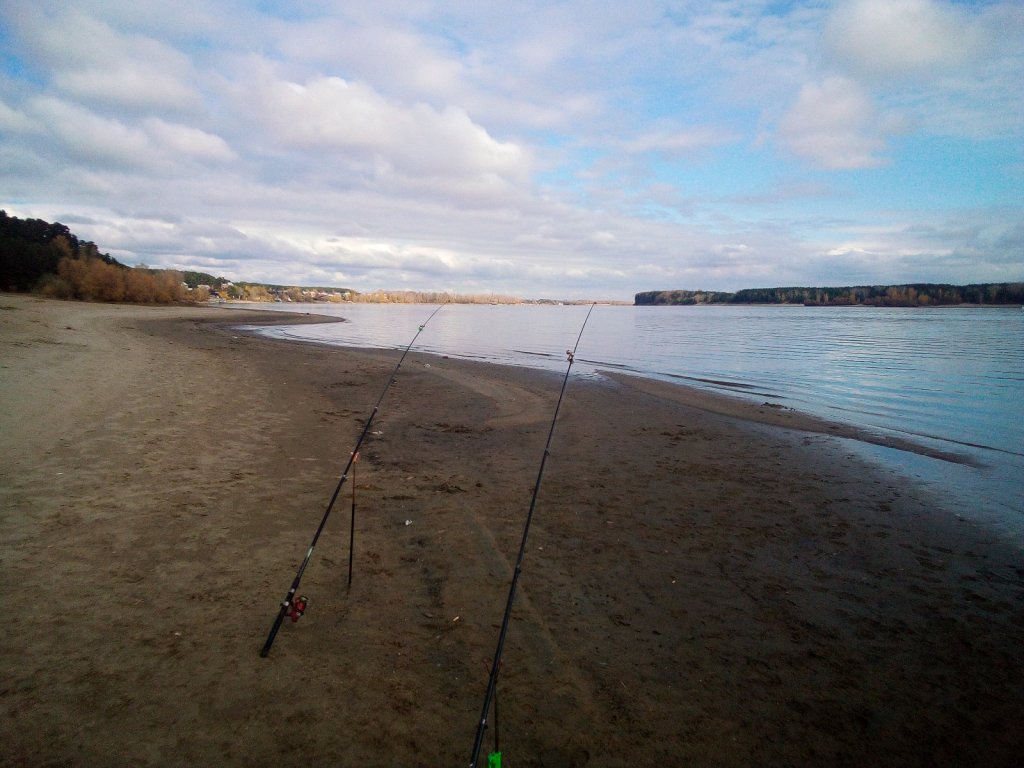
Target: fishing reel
[{"x": 297, "y": 608}]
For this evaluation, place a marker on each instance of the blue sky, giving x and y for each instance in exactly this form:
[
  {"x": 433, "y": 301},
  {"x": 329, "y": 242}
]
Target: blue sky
[{"x": 569, "y": 150}]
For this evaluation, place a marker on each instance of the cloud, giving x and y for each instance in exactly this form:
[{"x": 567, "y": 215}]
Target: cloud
[
  {"x": 96, "y": 64},
  {"x": 672, "y": 141},
  {"x": 884, "y": 39},
  {"x": 949, "y": 69},
  {"x": 14, "y": 121},
  {"x": 330, "y": 114},
  {"x": 185, "y": 141},
  {"x": 136, "y": 85},
  {"x": 833, "y": 125},
  {"x": 958, "y": 247},
  {"x": 150, "y": 145},
  {"x": 89, "y": 138},
  {"x": 404, "y": 63}
]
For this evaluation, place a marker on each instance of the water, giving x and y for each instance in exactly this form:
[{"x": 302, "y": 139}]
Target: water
[{"x": 952, "y": 378}]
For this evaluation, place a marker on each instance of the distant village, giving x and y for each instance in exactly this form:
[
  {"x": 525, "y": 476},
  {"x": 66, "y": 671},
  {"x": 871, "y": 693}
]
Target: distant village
[{"x": 229, "y": 291}]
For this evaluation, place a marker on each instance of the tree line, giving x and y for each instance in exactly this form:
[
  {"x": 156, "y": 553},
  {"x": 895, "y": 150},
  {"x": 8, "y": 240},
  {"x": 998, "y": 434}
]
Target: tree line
[
  {"x": 907, "y": 295},
  {"x": 36, "y": 255}
]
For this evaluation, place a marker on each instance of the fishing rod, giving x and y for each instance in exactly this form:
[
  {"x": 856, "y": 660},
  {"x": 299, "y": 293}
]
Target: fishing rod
[
  {"x": 295, "y": 607},
  {"x": 352, "y": 520},
  {"x": 492, "y": 680}
]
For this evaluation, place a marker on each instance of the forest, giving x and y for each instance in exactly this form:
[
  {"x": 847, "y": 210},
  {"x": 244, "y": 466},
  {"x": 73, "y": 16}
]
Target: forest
[
  {"x": 906, "y": 295},
  {"x": 36, "y": 255}
]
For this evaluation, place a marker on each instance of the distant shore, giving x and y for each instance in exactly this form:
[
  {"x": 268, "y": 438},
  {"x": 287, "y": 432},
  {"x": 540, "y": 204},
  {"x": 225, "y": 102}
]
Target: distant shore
[
  {"x": 898, "y": 295},
  {"x": 701, "y": 587}
]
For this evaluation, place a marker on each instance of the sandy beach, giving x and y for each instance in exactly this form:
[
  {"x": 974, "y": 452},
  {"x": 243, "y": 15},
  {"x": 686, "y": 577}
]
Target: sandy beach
[{"x": 706, "y": 584}]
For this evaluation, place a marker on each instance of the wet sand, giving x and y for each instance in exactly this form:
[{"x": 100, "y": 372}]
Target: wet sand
[{"x": 703, "y": 585}]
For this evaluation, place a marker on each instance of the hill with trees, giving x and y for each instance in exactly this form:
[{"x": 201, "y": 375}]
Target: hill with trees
[
  {"x": 36, "y": 255},
  {"x": 50, "y": 259},
  {"x": 31, "y": 249},
  {"x": 906, "y": 295}
]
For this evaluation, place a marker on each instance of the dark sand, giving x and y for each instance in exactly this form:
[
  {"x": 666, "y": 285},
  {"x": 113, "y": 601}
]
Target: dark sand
[{"x": 700, "y": 588}]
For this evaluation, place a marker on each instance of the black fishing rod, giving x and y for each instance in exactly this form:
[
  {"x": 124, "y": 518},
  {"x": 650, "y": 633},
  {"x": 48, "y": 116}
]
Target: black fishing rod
[
  {"x": 291, "y": 606},
  {"x": 492, "y": 680}
]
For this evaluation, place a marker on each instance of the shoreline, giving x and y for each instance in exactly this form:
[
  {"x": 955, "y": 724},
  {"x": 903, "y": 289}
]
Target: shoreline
[
  {"x": 781, "y": 416},
  {"x": 242, "y": 304},
  {"x": 698, "y": 588},
  {"x": 975, "y": 479},
  {"x": 707, "y": 400}
]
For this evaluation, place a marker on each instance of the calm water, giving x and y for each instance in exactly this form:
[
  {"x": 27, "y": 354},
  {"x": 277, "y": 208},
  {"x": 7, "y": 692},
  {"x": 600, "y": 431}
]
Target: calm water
[{"x": 950, "y": 377}]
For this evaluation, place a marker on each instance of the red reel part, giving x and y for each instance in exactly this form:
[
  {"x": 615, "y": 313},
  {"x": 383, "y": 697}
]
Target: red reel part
[{"x": 298, "y": 607}]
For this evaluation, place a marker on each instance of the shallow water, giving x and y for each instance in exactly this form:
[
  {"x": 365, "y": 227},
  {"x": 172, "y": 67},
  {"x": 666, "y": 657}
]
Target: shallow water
[{"x": 948, "y": 377}]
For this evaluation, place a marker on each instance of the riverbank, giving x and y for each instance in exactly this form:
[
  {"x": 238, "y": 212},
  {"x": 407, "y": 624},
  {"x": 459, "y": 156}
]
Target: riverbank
[{"x": 699, "y": 588}]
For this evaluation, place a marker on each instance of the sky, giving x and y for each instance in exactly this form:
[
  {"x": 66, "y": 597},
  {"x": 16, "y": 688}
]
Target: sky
[{"x": 572, "y": 149}]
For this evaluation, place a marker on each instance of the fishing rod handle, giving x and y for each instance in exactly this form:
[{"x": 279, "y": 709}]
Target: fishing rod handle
[
  {"x": 285, "y": 604},
  {"x": 265, "y": 650}
]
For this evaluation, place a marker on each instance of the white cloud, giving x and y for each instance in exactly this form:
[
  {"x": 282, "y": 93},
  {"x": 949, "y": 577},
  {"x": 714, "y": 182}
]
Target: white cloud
[
  {"x": 90, "y": 138},
  {"x": 14, "y": 121},
  {"x": 184, "y": 141},
  {"x": 331, "y": 114},
  {"x": 678, "y": 141},
  {"x": 884, "y": 39},
  {"x": 148, "y": 146},
  {"x": 133, "y": 84},
  {"x": 833, "y": 125},
  {"x": 101, "y": 44},
  {"x": 94, "y": 63},
  {"x": 401, "y": 62},
  {"x": 949, "y": 69},
  {"x": 958, "y": 247}
]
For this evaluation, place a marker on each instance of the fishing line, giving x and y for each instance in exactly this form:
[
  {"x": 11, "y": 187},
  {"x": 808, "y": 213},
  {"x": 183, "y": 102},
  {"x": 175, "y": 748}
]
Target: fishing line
[
  {"x": 291, "y": 606},
  {"x": 492, "y": 679}
]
